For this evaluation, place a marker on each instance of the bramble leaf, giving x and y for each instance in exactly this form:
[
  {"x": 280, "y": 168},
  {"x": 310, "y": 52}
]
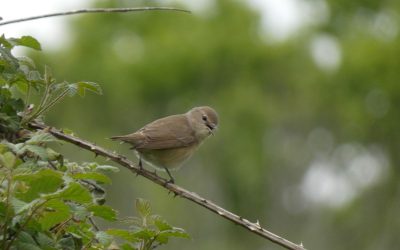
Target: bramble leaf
[
  {"x": 42, "y": 182},
  {"x": 73, "y": 192},
  {"x": 143, "y": 207},
  {"x": 105, "y": 212},
  {"x": 104, "y": 238},
  {"x": 161, "y": 224},
  {"x": 7, "y": 160},
  {"x": 41, "y": 137},
  {"x": 101, "y": 178},
  {"x": 123, "y": 234},
  {"x": 91, "y": 86},
  {"x": 26, "y": 41},
  {"x": 56, "y": 212}
]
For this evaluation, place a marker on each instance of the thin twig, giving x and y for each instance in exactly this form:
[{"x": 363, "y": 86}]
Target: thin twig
[
  {"x": 177, "y": 190},
  {"x": 97, "y": 10}
]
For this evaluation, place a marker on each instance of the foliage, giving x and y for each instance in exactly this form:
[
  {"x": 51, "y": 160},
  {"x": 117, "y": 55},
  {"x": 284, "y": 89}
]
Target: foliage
[
  {"x": 282, "y": 114},
  {"x": 147, "y": 231},
  {"x": 46, "y": 201}
]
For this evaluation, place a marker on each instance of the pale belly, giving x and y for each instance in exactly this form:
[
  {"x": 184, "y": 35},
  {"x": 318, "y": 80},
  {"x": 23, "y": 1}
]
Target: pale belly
[{"x": 167, "y": 158}]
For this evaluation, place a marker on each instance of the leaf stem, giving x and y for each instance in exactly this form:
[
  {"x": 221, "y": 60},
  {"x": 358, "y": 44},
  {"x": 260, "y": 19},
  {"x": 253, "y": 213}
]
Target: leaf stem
[{"x": 6, "y": 212}]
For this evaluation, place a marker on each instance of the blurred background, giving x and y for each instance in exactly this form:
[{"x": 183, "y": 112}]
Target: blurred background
[{"x": 307, "y": 92}]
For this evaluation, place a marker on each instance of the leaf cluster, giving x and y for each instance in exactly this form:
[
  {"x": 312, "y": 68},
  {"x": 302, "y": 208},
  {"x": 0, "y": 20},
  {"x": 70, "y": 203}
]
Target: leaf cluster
[
  {"x": 20, "y": 75},
  {"x": 46, "y": 201},
  {"x": 147, "y": 231}
]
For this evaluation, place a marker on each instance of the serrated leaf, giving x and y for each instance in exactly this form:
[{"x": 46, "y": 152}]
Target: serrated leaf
[
  {"x": 91, "y": 86},
  {"x": 145, "y": 234},
  {"x": 5, "y": 42},
  {"x": 143, "y": 207},
  {"x": 101, "y": 178},
  {"x": 161, "y": 224},
  {"x": 70, "y": 242},
  {"x": 105, "y": 212},
  {"x": 123, "y": 234},
  {"x": 41, "y": 137},
  {"x": 73, "y": 192},
  {"x": 20, "y": 206},
  {"x": 42, "y": 182},
  {"x": 80, "y": 212},
  {"x": 45, "y": 241},
  {"x": 26, "y": 41},
  {"x": 164, "y": 236},
  {"x": 56, "y": 211},
  {"x": 39, "y": 151},
  {"x": 127, "y": 246},
  {"x": 26, "y": 242},
  {"x": 7, "y": 160},
  {"x": 27, "y": 246},
  {"x": 104, "y": 238}
]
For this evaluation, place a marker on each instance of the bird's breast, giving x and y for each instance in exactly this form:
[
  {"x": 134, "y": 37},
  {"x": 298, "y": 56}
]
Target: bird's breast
[{"x": 168, "y": 158}]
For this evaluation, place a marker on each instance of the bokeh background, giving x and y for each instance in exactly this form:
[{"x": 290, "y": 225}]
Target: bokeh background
[{"x": 309, "y": 139}]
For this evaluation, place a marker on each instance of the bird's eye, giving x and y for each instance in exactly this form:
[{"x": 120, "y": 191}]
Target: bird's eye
[{"x": 204, "y": 118}]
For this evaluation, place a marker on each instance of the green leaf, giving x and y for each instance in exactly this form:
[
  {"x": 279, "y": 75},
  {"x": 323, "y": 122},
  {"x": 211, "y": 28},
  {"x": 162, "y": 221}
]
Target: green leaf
[
  {"x": 41, "y": 137},
  {"x": 91, "y": 86},
  {"x": 45, "y": 241},
  {"x": 104, "y": 238},
  {"x": 164, "y": 236},
  {"x": 70, "y": 242},
  {"x": 123, "y": 234},
  {"x": 3, "y": 209},
  {"x": 37, "y": 150},
  {"x": 127, "y": 246},
  {"x": 56, "y": 211},
  {"x": 101, "y": 178},
  {"x": 42, "y": 182},
  {"x": 20, "y": 206},
  {"x": 7, "y": 160},
  {"x": 161, "y": 224},
  {"x": 145, "y": 234},
  {"x": 105, "y": 212},
  {"x": 5, "y": 42},
  {"x": 143, "y": 207},
  {"x": 26, "y": 242},
  {"x": 73, "y": 192},
  {"x": 26, "y": 41}
]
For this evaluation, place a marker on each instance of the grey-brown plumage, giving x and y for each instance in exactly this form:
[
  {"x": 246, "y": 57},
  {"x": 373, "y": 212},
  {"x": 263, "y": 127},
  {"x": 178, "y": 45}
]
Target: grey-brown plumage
[{"x": 167, "y": 142}]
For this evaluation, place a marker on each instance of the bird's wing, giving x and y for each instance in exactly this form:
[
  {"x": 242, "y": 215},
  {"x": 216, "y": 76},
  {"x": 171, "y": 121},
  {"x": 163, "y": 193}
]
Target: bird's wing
[{"x": 169, "y": 132}]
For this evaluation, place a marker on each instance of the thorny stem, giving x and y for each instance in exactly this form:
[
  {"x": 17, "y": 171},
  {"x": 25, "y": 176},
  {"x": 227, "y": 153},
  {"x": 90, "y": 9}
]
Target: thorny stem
[{"x": 177, "y": 190}]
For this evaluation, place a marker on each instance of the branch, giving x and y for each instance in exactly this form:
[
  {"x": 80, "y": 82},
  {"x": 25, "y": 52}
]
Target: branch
[
  {"x": 98, "y": 10},
  {"x": 177, "y": 190}
]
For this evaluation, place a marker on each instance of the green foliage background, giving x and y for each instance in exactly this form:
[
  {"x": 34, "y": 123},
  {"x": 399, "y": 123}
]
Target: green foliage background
[{"x": 270, "y": 96}]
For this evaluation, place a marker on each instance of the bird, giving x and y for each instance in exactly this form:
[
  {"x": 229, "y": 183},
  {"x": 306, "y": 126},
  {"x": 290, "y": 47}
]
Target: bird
[{"x": 168, "y": 142}]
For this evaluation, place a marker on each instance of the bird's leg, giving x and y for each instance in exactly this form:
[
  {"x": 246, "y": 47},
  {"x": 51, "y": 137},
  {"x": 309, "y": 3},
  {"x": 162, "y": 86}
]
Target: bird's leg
[
  {"x": 140, "y": 163},
  {"x": 171, "y": 180}
]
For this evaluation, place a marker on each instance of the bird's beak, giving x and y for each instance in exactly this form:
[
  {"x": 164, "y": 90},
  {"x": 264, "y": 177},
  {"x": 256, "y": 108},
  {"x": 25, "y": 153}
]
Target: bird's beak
[{"x": 211, "y": 128}]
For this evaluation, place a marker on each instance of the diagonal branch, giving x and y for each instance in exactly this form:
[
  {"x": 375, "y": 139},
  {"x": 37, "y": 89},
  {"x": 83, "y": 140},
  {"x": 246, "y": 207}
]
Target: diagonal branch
[
  {"x": 98, "y": 10},
  {"x": 177, "y": 190}
]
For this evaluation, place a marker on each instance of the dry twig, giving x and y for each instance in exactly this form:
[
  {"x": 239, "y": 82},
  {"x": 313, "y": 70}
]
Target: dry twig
[{"x": 98, "y": 10}]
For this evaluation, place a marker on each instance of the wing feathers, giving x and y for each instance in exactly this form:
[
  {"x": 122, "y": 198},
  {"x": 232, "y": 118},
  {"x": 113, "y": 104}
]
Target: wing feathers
[{"x": 165, "y": 133}]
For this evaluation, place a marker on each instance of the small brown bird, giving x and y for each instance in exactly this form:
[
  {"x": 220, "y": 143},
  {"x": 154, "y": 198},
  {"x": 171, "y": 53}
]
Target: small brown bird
[{"x": 168, "y": 142}]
